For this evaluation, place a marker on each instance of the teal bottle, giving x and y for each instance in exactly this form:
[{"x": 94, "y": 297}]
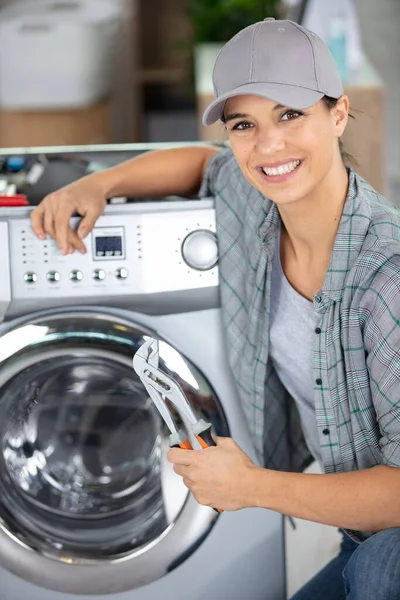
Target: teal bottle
[{"x": 337, "y": 44}]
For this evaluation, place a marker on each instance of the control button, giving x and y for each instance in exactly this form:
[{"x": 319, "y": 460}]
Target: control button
[
  {"x": 121, "y": 273},
  {"x": 200, "y": 250},
  {"x": 30, "y": 277},
  {"x": 98, "y": 274},
  {"x": 53, "y": 276},
  {"x": 75, "y": 275}
]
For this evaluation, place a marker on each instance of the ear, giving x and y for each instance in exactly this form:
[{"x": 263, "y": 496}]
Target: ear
[{"x": 340, "y": 115}]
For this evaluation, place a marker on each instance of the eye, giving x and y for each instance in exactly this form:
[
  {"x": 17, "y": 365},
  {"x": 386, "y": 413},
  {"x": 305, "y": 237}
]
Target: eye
[
  {"x": 291, "y": 115},
  {"x": 241, "y": 126}
]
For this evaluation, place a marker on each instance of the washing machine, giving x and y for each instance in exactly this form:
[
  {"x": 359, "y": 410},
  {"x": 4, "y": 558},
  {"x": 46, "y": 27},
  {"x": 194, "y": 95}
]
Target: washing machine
[{"x": 89, "y": 505}]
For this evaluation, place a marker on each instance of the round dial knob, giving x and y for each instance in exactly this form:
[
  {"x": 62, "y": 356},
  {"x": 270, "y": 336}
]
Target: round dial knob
[
  {"x": 53, "y": 276},
  {"x": 30, "y": 277},
  {"x": 121, "y": 273},
  {"x": 200, "y": 250},
  {"x": 99, "y": 274},
  {"x": 76, "y": 275}
]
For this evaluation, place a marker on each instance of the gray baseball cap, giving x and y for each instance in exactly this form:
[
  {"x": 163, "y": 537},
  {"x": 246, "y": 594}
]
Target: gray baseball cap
[{"x": 279, "y": 60}]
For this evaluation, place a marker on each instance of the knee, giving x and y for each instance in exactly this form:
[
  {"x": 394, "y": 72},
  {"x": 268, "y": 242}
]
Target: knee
[{"x": 373, "y": 571}]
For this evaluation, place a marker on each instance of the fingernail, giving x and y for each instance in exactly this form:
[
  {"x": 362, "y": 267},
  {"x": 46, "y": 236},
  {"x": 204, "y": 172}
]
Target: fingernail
[
  {"x": 41, "y": 236},
  {"x": 82, "y": 232},
  {"x": 63, "y": 251},
  {"x": 82, "y": 250}
]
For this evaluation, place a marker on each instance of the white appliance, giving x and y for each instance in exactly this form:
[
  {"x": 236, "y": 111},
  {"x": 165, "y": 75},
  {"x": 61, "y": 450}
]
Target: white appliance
[
  {"x": 88, "y": 503},
  {"x": 60, "y": 53}
]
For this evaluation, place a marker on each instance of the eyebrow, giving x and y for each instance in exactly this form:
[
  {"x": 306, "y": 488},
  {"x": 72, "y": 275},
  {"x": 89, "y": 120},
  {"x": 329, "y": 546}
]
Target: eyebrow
[{"x": 232, "y": 116}]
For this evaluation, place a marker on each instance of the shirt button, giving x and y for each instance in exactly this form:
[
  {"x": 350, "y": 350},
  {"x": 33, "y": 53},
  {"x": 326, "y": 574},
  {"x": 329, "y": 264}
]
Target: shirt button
[
  {"x": 326, "y": 431},
  {"x": 318, "y": 298},
  {"x": 318, "y": 381},
  {"x": 317, "y": 330}
]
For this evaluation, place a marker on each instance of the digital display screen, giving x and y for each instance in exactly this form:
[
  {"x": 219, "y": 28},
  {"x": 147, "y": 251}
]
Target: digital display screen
[{"x": 108, "y": 246}]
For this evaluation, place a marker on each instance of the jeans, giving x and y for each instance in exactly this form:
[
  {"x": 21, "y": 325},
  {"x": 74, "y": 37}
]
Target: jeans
[{"x": 367, "y": 571}]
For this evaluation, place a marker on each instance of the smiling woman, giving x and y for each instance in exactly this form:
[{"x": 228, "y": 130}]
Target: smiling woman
[{"x": 309, "y": 273}]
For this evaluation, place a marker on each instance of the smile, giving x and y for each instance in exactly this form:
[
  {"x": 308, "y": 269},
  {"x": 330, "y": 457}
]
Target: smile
[
  {"x": 280, "y": 172},
  {"x": 282, "y": 169}
]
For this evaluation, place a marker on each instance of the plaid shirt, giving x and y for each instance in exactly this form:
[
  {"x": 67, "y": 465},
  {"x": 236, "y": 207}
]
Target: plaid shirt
[{"x": 356, "y": 356}]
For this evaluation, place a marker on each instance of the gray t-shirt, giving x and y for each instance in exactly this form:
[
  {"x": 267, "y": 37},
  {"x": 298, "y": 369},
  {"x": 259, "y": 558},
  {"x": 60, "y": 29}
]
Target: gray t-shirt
[{"x": 293, "y": 320}]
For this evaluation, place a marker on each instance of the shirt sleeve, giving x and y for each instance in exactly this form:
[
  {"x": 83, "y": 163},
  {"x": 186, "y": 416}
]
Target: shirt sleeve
[
  {"x": 209, "y": 184},
  {"x": 382, "y": 345}
]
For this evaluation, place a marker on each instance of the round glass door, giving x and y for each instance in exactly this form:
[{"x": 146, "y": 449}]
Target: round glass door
[{"x": 82, "y": 462}]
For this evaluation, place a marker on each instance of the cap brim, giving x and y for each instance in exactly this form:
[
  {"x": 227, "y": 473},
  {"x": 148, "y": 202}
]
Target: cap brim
[{"x": 287, "y": 95}]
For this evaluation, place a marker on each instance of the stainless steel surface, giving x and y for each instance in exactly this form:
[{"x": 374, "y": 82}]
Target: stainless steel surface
[
  {"x": 222, "y": 565},
  {"x": 30, "y": 277},
  {"x": 200, "y": 250},
  {"x": 82, "y": 444},
  {"x": 99, "y": 274},
  {"x": 129, "y": 255},
  {"x": 121, "y": 273},
  {"x": 97, "y": 149},
  {"x": 182, "y": 549},
  {"x": 76, "y": 275},
  {"x": 53, "y": 276}
]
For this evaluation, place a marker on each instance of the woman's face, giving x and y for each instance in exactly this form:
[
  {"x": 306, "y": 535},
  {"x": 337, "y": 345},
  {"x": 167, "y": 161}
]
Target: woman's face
[{"x": 285, "y": 153}]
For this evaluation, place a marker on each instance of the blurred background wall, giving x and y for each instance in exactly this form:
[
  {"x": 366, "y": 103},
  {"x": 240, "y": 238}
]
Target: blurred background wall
[{"x": 55, "y": 87}]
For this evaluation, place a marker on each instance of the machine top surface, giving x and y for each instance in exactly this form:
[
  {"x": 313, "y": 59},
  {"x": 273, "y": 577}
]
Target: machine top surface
[{"x": 152, "y": 256}]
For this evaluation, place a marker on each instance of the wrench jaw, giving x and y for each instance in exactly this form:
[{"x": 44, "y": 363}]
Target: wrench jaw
[
  {"x": 147, "y": 354},
  {"x": 157, "y": 385},
  {"x": 161, "y": 387},
  {"x": 153, "y": 352}
]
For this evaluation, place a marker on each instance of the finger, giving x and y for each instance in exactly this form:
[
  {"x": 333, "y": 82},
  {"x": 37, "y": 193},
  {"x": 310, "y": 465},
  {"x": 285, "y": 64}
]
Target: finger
[
  {"x": 62, "y": 227},
  {"x": 219, "y": 440},
  {"x": 182, "y": 470},
  {"x": 37, "y": 222},
  {"x": 187, "y": 482},
  {"x": 88, "y": 222},
  {"x": 75, "y": 243},
  {"x": 181, "y": 457},
  {"x": 48, "y": 223}
]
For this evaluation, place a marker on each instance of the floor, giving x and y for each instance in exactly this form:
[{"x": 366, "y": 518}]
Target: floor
[{"x": 311, "y": 545}]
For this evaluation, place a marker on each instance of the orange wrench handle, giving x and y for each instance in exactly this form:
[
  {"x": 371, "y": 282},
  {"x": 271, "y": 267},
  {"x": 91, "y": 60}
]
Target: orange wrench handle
[{"x": 205, "y": 440}]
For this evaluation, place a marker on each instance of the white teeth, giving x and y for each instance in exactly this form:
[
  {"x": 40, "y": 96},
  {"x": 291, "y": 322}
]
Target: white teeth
[{"x": 282, "y": 169}]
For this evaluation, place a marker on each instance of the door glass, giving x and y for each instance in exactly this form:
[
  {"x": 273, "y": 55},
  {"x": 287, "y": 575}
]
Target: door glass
[
  {"x": 83, "y": 469},
  {"x": 81, "y": 445}
]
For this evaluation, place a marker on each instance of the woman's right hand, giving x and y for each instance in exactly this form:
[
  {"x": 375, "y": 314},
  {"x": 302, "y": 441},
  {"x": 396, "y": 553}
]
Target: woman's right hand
[{"x": 52, "y": 216}]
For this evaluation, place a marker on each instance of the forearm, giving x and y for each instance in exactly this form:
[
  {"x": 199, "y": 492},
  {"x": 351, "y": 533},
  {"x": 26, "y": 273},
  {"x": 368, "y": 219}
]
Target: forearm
[
  {"x": 157, "y": 173},
  {"x": 366, "y": 500}
]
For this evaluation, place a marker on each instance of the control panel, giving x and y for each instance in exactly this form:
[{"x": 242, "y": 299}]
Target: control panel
[{"x": 134, "y": 250}]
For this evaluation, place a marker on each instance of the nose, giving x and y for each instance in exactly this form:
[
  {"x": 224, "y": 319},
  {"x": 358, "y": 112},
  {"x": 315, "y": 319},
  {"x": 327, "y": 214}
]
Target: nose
[{"x": 269, "y": 141}]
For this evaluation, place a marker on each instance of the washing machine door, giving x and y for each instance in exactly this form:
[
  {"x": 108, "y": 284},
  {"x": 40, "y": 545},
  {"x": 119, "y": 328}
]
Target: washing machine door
[{"x": 83, "y": 475}]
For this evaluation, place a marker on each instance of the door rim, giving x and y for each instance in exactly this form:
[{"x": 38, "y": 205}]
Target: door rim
[{"x": 116, "y": 575}]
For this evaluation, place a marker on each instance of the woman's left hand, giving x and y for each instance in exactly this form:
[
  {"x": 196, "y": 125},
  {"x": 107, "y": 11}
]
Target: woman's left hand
[{"x": 221, "y": 476}]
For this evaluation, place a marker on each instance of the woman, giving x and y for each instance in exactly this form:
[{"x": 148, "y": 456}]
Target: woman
[{"x": 309, "y": 273}]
